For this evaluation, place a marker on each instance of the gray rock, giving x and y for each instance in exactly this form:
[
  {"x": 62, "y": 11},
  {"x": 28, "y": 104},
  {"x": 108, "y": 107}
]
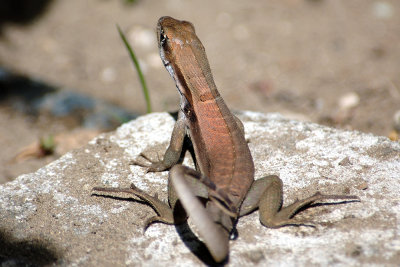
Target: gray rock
[{"x": 50, "y": 216}]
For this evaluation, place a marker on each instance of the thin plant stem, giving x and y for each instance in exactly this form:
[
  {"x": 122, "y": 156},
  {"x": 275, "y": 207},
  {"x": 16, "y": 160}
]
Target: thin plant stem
[{"x": 138, "y": 69}]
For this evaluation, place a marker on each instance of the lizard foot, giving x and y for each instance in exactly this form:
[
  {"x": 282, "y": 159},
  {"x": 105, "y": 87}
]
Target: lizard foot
[
  {"x": 284, "y": 216},
  {"x": 151, "y": 165},
  {"x": 165, "y": 214}
]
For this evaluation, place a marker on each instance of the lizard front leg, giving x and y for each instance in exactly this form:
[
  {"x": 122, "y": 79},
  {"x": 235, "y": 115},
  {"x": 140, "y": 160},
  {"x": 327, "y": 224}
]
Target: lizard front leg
[
  {"x": 174, "y": 150},
  {"x": 266, "y": 194},
  {"x": 165, "y": 212}
]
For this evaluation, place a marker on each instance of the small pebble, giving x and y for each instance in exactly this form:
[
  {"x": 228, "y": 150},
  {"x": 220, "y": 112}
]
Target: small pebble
[
  {"x": 349, "y": 100},
  {"x": 382, "y": 10},
  {"x": 394, "y": 136},
  {"x": 108, "y": 75},
  {"x": 142, "y": 38}
]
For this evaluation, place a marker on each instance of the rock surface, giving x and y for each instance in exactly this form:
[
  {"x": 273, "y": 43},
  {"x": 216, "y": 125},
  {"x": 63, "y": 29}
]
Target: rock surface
[{"x": 50, "y": 216}]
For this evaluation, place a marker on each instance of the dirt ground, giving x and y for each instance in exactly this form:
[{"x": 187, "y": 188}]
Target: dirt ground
[{"x": 331, "y": 62}]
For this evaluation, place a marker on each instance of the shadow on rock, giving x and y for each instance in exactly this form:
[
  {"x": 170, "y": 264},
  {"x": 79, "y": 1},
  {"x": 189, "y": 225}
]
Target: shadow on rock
[
  {"x": 196, "y": 246},
  {"x": 26, "y": 252}
]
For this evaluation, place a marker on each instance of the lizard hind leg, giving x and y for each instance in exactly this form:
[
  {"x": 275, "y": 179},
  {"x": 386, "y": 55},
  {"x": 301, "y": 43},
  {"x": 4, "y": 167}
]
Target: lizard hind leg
[{"x": 270, "y": 199}]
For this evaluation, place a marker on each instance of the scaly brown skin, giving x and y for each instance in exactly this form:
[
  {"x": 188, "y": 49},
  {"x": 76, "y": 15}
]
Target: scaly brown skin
[{"x": 225, "y": 169}]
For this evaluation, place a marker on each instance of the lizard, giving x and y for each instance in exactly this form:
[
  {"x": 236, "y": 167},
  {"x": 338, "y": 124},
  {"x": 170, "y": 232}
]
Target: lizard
[{"x": 224, "y": 174}]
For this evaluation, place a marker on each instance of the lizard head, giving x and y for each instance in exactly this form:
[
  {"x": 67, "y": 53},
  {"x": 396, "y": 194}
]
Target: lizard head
[{"x": 182, "y": 54}]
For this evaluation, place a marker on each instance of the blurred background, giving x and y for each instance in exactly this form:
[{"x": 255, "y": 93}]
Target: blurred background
[{"x": 65, "y": 75}]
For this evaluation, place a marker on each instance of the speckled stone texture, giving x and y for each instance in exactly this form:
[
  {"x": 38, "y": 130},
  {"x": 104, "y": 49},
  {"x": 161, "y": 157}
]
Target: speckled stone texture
[{"x": 51, "y": 216}]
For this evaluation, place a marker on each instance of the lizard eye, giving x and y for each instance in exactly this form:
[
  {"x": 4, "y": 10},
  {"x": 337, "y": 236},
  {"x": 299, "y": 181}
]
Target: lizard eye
[{"x": 163, "y": 38}]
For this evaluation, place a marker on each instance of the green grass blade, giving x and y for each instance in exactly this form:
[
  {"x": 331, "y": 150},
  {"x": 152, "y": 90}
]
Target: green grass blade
[{"x": 138, "y": 69}]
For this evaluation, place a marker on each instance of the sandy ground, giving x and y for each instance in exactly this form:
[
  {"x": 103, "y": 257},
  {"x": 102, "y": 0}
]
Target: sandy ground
[{"x": 331, "y": 62}]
